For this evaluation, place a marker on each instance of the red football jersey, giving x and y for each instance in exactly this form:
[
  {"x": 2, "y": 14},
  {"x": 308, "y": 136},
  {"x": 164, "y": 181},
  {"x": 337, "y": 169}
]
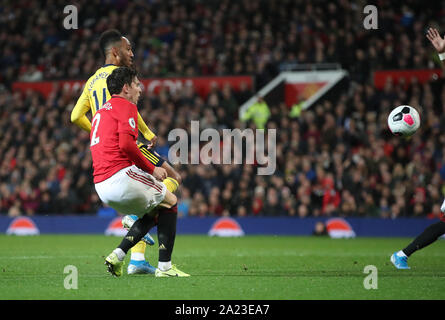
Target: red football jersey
[{"x": 117, "y": 115}]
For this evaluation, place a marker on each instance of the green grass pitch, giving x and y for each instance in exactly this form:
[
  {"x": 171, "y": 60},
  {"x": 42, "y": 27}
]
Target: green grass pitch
[{"x": 251, "y": 267}]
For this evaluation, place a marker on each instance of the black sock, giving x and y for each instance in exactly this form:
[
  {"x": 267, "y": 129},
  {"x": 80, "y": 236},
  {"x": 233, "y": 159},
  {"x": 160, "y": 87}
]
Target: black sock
[
  {"x": 428, "y": 236},
  {"x": 167, "y": 232},
  {"x": 136, "y": 232}
]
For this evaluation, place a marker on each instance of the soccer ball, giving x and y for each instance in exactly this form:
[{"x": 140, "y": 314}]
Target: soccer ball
[{"x": 403, "y": 121}]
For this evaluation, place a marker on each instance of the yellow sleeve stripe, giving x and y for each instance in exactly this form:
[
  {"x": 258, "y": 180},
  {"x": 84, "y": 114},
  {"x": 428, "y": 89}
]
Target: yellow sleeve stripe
[{"x": 149, "y": 155}]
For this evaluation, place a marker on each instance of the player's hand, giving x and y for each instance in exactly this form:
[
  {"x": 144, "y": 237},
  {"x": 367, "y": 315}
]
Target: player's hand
[
  {"x": 152, "y": 143},
  {"x": 159, "y": 173},
  {"x": 435, "y": 39}
]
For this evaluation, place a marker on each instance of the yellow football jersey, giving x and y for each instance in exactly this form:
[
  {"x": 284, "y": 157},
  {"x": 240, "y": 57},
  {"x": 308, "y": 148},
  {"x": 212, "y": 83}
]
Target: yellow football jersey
[
  {"x": 96, "y": 88},
  {"x": 93, "y": 97}
]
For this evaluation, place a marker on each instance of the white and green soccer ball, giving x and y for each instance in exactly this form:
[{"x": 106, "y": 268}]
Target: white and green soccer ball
[{"x": 404, "y": 121}]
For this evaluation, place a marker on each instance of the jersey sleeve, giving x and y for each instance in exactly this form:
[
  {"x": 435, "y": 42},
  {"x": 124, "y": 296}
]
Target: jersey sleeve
[
  {"x": 127, "y": 119},
  {"x": 146, "y": 132},
  {"x": 78, "y": 114}
]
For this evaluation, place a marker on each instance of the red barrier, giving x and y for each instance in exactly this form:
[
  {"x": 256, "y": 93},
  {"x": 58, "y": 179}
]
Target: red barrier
[{"x": 202, "y": 85}]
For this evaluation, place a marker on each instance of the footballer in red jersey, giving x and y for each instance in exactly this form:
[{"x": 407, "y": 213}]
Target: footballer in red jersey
[
  {"x": 117, "y": 51},
  {"x": 113, "y": 148},
  {"x": 125, "y": 180}
]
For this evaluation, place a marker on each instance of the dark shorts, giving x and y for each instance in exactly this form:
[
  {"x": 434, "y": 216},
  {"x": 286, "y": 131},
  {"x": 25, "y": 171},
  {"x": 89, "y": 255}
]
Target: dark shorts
[{"x": 151, "y": 155}]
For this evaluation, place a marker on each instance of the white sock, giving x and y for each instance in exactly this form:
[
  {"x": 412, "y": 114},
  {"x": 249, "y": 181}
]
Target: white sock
[
  {"x": 164, "y": 266},
  {"x": 138, "y": 256},
  {"x": 120, "y": 253},
  {"x": 401, "y": 254}
]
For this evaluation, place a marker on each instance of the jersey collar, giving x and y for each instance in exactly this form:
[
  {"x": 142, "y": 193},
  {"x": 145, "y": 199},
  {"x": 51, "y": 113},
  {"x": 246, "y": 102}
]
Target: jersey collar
[{"x": 116, "y": 96}]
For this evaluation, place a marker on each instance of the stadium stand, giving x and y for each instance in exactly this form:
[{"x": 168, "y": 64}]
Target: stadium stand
[{"x": 335, "y": 159}]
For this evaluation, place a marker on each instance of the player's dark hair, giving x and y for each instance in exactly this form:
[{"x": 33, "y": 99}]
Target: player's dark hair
[
  {"x": 119, "y": 77},
  {"x": 109, "y": 38}
]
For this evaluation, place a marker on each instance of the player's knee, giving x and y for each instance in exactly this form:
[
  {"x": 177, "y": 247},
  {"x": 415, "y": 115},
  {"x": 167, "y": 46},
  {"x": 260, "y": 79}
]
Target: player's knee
[{"x": 170, "y": 200}]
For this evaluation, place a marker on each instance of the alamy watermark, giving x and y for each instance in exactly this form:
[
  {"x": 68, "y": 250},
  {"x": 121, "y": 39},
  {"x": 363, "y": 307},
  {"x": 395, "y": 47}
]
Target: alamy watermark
[
  {"x": 70, "y": 281},
  {"x": 370, "y": 281},
  {"x": 371, "y": 20},
  {"x": 71, "y": 20},
  {"x": 227, "y": 149}
]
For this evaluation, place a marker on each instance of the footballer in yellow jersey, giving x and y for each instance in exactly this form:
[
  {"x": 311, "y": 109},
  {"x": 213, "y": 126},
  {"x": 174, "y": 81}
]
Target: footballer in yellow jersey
[{"x": 118, "y": 52}]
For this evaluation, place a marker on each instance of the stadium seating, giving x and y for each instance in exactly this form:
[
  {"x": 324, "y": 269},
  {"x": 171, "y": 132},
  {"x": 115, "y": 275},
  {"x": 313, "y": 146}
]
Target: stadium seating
[{"x": 336, "y": 159}]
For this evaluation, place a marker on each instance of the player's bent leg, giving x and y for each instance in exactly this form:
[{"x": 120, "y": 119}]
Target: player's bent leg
[
  {"x": 169, "y": 201},
  {"x": 150, "y": 193},
  {"x": 171, "y": 182},
  {"x": 427, "y": 237},
  {"x": 114, "y": 261},
  {"x": 127, "y": 222},
  {"x": 137, "y": 192},
  {"x": 138, "y": 263}
]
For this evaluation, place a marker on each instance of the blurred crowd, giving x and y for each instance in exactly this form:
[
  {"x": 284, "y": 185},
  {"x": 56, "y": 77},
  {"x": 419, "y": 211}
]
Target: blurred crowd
[
  {"x": 335, "y": 159},
  {"x": 215, "y": 37}
]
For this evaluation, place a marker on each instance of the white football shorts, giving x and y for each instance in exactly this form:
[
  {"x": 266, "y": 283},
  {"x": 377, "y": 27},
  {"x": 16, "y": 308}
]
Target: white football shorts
[{"x": 131, "y": 191}]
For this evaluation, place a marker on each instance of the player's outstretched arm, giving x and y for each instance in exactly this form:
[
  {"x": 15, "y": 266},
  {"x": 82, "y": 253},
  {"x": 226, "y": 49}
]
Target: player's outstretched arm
[{"x": 78, "y": 114}]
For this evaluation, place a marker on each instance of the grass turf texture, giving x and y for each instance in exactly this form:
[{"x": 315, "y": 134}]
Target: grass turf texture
[{"x": 252, "y": 267}]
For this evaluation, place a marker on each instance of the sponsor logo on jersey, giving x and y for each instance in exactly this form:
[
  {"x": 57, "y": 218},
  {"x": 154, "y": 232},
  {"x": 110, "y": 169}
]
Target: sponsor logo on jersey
[
  {"x": 132, "y": 123},
  {"x": 226, "y": 227},
  {"x": 339, "y": 228},
  {"x": 115, "y": 228},
  {"x": 23, "y": 226}
]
